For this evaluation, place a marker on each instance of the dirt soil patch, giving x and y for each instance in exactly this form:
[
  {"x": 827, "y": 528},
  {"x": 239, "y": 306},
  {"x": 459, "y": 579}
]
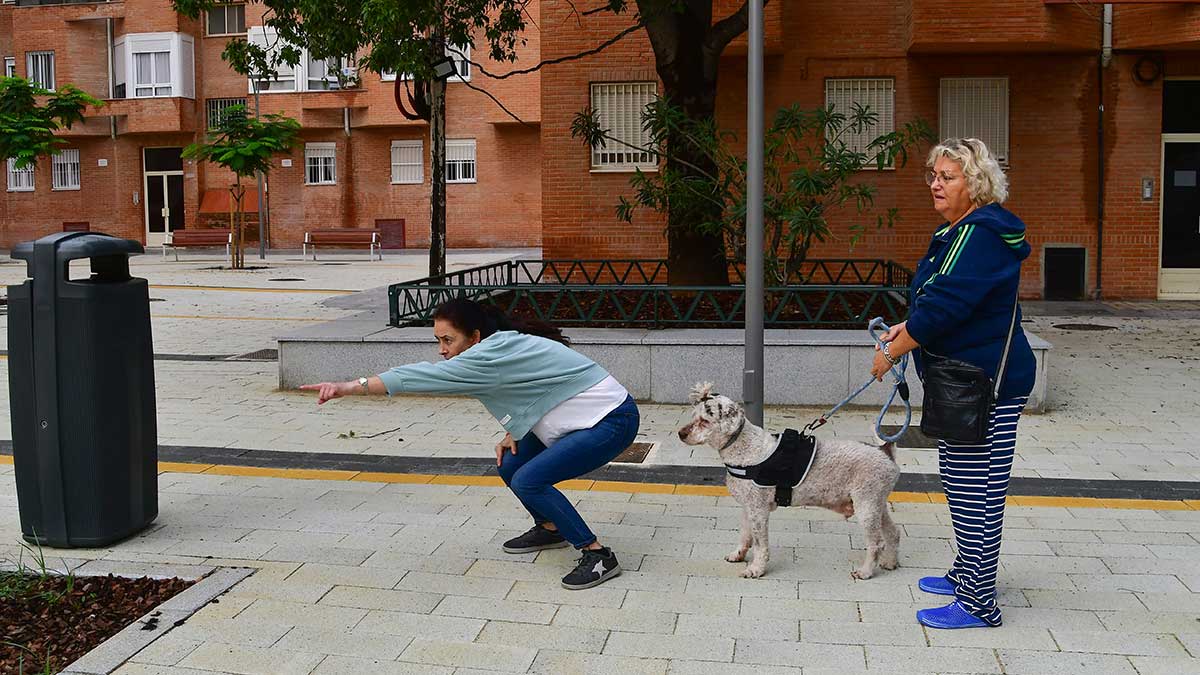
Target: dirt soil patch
[{"x": 47, "y": 622}]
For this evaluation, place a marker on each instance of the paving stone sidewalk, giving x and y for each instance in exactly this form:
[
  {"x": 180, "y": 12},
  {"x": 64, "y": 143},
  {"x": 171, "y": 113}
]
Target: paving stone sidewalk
[{"x": 362, "y": 577}]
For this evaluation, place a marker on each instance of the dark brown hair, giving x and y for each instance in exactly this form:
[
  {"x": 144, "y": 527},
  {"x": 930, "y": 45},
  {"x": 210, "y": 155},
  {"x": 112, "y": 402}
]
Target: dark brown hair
[{"x": 469, "y": 316}]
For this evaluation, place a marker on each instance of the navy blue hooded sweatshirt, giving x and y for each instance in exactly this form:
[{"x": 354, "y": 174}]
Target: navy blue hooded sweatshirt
[{"x": 963, "y": 293}]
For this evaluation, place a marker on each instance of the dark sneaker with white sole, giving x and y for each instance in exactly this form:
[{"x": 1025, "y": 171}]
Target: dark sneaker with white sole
[
  {"x": 594, "y": 568},
  {"x": 537, "y": 538}
]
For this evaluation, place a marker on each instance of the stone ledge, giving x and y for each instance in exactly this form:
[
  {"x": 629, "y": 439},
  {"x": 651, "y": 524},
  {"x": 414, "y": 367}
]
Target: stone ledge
[{"x": 803, "y": 367}]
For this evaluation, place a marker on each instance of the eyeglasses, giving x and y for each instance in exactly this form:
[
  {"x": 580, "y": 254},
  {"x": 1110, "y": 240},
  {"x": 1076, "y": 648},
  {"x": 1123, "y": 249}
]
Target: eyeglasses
[{"x": 945, "y": 178}]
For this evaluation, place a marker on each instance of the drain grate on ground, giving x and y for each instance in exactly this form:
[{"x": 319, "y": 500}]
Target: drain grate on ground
[
  {"x": 286, "y": 279},
  {"x": 260, "y": 355},
  {"x": 1083, "y": 326},
  {"x": 635, "y": 454}
]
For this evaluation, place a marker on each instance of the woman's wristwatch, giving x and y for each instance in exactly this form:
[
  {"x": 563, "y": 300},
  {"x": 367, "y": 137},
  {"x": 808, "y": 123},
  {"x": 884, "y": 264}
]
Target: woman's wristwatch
[
  {"x": 887, "y": 354},
  {"x": 362, "y": 382}
]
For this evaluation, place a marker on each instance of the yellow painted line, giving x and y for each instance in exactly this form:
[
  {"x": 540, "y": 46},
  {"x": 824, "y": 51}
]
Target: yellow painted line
[
  {"x": 1149, "y": 504},
  {"x": 909, "y": 497},
  {"x": 6, "y": 459},
  {"x": 302, "y": 474},
  {"x": 232, "y": 318},
  {"x": 491, "y": 481},
  {"x": 182, "y": 467},
  {"x": 248, "y": 289},
  {"x": 1061, "y": 502},
  {"x": 632, "y": 487},
  {"x": 702, "y": 490},
  {"x": 375, "y": 477},
  {"x": 642, "y": 488}
]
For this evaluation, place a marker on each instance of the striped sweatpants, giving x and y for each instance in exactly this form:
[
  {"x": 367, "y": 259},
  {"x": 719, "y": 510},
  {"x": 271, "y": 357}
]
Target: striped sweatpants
[{"x": 975, "y": 480}]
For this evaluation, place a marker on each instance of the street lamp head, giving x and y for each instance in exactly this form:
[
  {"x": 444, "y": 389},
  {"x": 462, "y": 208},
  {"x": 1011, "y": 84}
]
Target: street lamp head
[{"x": 444, "y": 69}]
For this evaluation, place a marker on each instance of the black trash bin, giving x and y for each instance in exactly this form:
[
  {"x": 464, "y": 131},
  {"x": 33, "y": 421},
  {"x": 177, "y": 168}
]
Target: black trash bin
[{"x": 81, "y": 386}]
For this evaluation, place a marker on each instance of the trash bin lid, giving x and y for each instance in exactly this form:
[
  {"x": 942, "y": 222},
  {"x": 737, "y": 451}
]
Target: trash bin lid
[{"x": 75, "y": 245}]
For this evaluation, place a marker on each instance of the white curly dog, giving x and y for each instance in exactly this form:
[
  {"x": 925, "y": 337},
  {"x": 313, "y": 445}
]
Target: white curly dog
[{"x": 845, "y": 477}]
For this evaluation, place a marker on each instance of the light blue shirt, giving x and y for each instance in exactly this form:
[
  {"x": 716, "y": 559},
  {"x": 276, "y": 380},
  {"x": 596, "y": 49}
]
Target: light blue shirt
[{"x": 517, "y": 377}]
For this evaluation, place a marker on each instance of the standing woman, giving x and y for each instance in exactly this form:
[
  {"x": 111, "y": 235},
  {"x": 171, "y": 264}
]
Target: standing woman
[
  {"x": 564, "y": 414},
  {"x": 963, "y": 295}
]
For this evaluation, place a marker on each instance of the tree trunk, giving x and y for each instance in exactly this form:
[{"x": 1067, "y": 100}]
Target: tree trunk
[
  {"x": 687, "y": 67},
  {"x": 437, "y": 173}
]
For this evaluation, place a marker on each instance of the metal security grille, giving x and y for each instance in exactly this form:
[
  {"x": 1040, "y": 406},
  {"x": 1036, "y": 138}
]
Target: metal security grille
[
  {"x": 619, "y": 107},
  {"x": 406, "y": 162},
  {"x": 19, "y": 180},
  {"x": 975, "y": 107},
  {"x": 39, "y": 68},
  {"x": 214, "y": 109},
  {"x": 460, "y": 161},
  {"x": 877, "y": 94},
  {"x": 320, "y": 164},
  {"x": 66, "y": 170},
  {"x": 227, "y": 19}
]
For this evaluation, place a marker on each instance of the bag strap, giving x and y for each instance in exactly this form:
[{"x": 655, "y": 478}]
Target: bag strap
[{"x": 1012, "y": 327}]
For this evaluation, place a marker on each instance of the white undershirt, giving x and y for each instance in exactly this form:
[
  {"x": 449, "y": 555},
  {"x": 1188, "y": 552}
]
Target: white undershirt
[{"x": 581, "y": 411}]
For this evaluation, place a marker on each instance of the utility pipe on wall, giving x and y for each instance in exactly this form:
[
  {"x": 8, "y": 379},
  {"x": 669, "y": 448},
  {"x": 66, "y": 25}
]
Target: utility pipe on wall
[{"x": 1105, "y": 59}]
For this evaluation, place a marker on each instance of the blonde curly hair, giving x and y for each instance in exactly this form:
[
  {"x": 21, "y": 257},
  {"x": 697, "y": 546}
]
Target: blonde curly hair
[{"x": 985, "y": 179}]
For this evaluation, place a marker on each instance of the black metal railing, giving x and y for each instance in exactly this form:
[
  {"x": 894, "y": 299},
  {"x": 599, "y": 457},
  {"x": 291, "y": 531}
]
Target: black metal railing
[{"x": 634, "y": 293}]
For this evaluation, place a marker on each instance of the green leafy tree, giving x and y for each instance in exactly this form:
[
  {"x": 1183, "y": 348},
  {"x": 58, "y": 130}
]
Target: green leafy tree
[
  {"x": 29, "y": 116},
  {"x": 245, "y": 146},
  {"x": 809, "y": 171}
]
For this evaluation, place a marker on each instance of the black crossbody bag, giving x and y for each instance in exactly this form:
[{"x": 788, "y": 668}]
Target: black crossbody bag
[{"x": 959, "y": 395}]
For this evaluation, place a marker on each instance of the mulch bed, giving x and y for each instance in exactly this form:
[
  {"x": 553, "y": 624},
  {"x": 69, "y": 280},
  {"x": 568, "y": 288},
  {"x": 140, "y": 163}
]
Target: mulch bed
[
  {"x": 715, "y": 309},
  {"x": 57, "y": 619}
]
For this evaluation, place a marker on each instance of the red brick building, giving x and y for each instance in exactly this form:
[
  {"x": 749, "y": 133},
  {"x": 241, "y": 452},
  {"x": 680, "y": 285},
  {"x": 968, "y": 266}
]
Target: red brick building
[
  {"x": 360, "y": 163},
  {"x": 1023, "y": 75}
]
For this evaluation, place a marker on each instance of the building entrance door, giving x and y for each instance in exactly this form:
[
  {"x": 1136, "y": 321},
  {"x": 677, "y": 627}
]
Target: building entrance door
[
  {"x": 163, "y": 187},
  {"x": 1179, "y": 274}
]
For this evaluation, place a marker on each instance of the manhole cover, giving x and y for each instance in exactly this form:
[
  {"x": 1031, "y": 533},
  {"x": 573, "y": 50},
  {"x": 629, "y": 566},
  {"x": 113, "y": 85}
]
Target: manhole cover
[
  {"x": 157, "y": 300},
  {"x": 286, "y": 279},
  {"x": 635, "y": 453},
  {"x": 335, "y": 263},
  {"x": 247, "y": 268},
  {"x": 260, "y": 355},
  {"x": 1083, "y": 326}
]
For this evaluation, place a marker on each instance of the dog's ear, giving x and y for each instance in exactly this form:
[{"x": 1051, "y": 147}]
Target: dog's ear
[{"x": 700, "y": 391}]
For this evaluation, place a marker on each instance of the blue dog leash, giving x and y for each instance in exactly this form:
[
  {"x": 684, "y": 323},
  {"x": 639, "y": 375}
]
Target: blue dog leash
[{"x": 899, "y": 386}]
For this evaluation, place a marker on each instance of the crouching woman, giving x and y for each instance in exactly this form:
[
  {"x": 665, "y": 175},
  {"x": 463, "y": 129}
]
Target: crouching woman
[{"x": 564, "y": 416}]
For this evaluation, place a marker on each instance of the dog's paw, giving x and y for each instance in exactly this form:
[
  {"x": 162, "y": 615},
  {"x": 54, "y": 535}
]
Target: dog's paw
[
  {"x": 859, "y": 574},
  {"x": 752, "y": 572},
  {"x": 736, "y": 556},
  {"x": 889, "y": 565}
]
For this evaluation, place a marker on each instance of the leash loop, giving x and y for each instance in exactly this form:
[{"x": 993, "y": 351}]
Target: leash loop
[{"x": 899, "y": 387}]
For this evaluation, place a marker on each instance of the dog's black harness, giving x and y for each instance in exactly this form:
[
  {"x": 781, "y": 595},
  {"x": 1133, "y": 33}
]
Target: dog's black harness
[{"x": 785, "y": 469}]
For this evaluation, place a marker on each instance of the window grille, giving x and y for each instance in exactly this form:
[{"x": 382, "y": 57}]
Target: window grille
[
  {"x": 975, "y": 107},
  {"x": 407, "y": 162},
  {"x": 619, "y": 107},
  {"x": 877, "y": 94},
  {"x": 66, "y": 170},
  {"x": 19, "y": 180},
  {"x": 460, "y": 161},
  {"x": 320, "y": 164}
]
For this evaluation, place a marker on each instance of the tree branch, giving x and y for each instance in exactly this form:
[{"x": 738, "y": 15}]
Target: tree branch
[
  {"x": 549, "y": 62},
  {"x": 724, "y": 31}
]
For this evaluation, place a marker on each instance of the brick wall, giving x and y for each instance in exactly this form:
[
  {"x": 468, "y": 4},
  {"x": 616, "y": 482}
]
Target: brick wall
[{"x": 1053, "y": 127}]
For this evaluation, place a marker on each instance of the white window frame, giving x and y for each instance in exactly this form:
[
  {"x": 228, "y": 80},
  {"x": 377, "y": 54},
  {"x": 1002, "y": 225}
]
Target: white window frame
[
  {"x": 619, "y": 107},
  {"x": 65, "y": 173},
  {"x": 225, "y": 10},
  {"x": 10, "y": 66},
  {"x": 465, "y": 148},
  {"x": 315, "y": 155},
  {"x": 976, "y": 107},
  {"x": 159, "y": 84},
  {"x": 294, "y": 79},
  {"x": 878, "y": 94},
  {"x": 399, "y": 163},
  {"x": 31, "y": 70},
  {"x": 20, "y": 180},
  {"x": 459, "y": 63},
  {"x": 180, "y": 64}
]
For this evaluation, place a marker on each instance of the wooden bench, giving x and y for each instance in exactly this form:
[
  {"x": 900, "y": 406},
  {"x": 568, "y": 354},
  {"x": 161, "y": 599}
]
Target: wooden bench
[
  {"x": 188, "y": 238},
  {"x": 343, "y": 237}
]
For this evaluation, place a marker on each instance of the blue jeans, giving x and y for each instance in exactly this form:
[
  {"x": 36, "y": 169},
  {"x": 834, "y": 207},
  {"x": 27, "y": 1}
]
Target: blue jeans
[{"x": 533, "y": 471}]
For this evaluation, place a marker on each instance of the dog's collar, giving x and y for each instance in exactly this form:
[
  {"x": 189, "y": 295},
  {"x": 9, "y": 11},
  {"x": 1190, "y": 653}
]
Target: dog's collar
[{"x": 735, "y": 435}]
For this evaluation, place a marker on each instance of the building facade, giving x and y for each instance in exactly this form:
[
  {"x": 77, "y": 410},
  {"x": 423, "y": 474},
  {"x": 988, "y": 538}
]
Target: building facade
[
  {"x": 1027, "y": 76},
  {"x": 359, "y": 162}
]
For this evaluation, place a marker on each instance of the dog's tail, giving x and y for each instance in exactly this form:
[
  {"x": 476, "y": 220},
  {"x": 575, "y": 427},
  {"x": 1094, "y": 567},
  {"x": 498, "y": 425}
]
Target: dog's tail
[{"x": 889, "y": 449}]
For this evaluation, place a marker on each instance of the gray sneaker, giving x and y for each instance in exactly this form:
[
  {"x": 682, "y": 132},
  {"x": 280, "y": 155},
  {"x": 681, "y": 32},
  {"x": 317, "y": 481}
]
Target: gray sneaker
[
  {"x": 594, "y": 568},
  {"x": 537, "y": 538}
]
